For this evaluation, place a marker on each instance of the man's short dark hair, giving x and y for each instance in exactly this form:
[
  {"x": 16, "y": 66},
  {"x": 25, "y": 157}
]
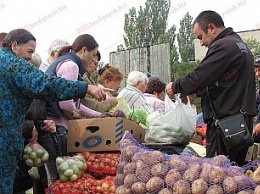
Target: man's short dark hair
[{"x": 207, "y": 17}]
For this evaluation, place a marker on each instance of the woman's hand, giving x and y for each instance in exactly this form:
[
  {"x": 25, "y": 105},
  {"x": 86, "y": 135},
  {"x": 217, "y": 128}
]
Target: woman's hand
[
  {"x": 49, "y": 126},
  {"x": 256, "y": 129},
  {"x": 112, "y": 101},
  {"x": 34, "y": 134},
  {"x": 169, "y": 91},
  {"x": 99, "y": 93}
]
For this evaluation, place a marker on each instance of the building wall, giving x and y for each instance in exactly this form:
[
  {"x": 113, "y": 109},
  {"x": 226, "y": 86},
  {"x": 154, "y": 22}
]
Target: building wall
[{"x": 200, "y": 51}]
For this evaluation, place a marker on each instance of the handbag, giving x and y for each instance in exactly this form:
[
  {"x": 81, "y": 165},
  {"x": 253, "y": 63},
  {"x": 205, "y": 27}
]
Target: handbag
[{"x": 234, "y": 131}]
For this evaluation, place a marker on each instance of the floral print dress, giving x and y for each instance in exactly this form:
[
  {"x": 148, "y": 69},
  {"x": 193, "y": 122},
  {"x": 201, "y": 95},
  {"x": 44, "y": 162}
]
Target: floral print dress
[{"x": 20, "y": 83}]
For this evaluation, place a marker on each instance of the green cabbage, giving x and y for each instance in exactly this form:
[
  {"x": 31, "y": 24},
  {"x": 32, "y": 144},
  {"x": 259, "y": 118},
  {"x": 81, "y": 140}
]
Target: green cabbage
[{"x": 137, "y": 115}]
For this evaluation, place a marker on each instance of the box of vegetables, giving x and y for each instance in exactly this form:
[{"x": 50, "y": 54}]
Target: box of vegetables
[{"x": 101, "y": 134}]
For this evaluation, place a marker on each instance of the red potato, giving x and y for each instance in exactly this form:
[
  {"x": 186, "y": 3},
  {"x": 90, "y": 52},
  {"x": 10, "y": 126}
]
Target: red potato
[
  {"x": 181, "y": 187},
  {"x": 199, "y": 186},
  {"x": 191, "y": 173},
  {"x": 215, "y": 189},
  {"x": 119, "y": 178},
  {"x": 165, "y": 191},
  {"x": 216, "y": 175},
  {"x": 138, "y": 188},
  {"x": 136, "y": 157},
  {"x": 175, "y": 162},
  {"x": 129, "y": 180},
  {"x": 155, "y": 184},
  {"x": 206, "y": 169},
  {"x": 230, "y": 185},
  {"x": 245, "y": 192},
  {"x": 123, "y": 190},
  {"x": 129, "y": 168},
  {"x": 257, "y": 189},
  {"x": 159, "y": 170},
  {"x": 128, "y": 152},
  {"x": 220, "y": 160},
  {"x": 125, "y": 142},
  {"x": 171, "y": 177},
  {"x": 143, "y": 174}
]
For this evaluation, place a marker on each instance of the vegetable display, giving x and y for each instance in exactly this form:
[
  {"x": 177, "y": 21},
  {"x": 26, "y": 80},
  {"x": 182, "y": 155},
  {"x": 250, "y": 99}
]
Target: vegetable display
[
  {"x": 35, "y": 155},
  {"x": 70, "y": 168},
  {"x": 138, "y": 116},
  {"x": 142, "y": 170}
]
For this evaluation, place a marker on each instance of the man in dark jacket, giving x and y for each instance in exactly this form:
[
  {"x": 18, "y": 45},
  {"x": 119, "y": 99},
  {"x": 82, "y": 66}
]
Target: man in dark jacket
[{"x": 222, "y": 77}]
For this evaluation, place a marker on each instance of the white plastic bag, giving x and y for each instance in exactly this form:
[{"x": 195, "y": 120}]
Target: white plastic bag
[{"x": 176, "y": 126}]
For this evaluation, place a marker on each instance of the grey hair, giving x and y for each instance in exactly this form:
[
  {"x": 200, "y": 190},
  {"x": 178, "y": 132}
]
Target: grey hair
[
  {"x": 36, "y": 59},
  {"x": 57, "y": 44},
  {"x": 136, "y": 76}
]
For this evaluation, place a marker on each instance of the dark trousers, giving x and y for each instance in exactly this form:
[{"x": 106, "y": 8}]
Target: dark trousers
[
  {"x": 62, "y": 136},
  {"x": 215, "y": 146},
  {"x": 48, "y": 173}
]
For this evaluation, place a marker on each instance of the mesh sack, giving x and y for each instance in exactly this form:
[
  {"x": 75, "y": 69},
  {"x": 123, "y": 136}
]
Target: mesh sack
[
  {"x": 142, "y": 170},
  {"x": 102, "y": 163}
]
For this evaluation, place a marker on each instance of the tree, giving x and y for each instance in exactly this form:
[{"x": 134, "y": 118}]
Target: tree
[
  {"x": 185, "y": 39},
  {"x": 149, "y": 26},
  {"x": 254, "y": 45}
]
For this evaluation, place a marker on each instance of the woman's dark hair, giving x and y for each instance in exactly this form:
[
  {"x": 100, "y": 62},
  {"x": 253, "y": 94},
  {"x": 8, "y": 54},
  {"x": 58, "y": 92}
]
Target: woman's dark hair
[
  {"x": 207, "y": 17},
  {"x": 98, "y": 55},
  {"x": 21, "y": 36},
  {"x": 81, "y": 41},
  {"x": 155, "y": 84}
]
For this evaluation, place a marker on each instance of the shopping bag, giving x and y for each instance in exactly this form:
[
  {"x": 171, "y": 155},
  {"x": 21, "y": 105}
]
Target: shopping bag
[{"x": 176, "y": 126}]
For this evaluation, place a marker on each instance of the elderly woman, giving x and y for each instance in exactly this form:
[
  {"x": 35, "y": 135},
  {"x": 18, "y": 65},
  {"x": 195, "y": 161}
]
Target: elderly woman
[
  {"x": 133, "y": 93},
  {"x": 155, "y": 93}
]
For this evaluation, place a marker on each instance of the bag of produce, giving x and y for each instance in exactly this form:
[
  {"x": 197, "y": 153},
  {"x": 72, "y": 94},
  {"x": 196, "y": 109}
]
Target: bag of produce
[
  {"x": 87, "y": 184},
  {"x": 70, "y": 168},
  {"x": 143, "y": 170},
  {"x": 35, "y": 155},
  {"x": 101, "y": 164},
  {"x": 176, "y": 125}
]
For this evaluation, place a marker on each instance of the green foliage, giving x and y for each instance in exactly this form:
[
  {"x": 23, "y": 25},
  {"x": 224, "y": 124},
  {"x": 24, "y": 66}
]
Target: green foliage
[
  {"x": 185, "y": 39},
  {"x": 120, "y": 47},
  {"x": 254, "y": 45},
  {"x": 183, "y": 69},
  {"x": 148, "y": 26}
]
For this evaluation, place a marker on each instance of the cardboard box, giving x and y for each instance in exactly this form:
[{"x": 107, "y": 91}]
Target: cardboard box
[
  {"x": 256, "y": 151},
  {"x": 249, "y": 155},
  {"x": 100, "y": 134}
]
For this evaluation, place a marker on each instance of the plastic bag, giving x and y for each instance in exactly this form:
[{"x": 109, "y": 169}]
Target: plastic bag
[
  {"x": 35, "y": 155},
  {"x": 70, "y": 168},
  {"x": 176, "y": 126},
  {"x": 122, "y": 105}
]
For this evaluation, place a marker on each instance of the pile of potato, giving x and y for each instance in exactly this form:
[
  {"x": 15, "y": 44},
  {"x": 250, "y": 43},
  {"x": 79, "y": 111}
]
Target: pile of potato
[{"x": 149, "y": 171}]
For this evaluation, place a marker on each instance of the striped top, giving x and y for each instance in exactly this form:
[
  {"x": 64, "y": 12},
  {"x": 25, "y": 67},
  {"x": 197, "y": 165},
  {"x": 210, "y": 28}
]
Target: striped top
[{"x": 135, "y": 99}]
